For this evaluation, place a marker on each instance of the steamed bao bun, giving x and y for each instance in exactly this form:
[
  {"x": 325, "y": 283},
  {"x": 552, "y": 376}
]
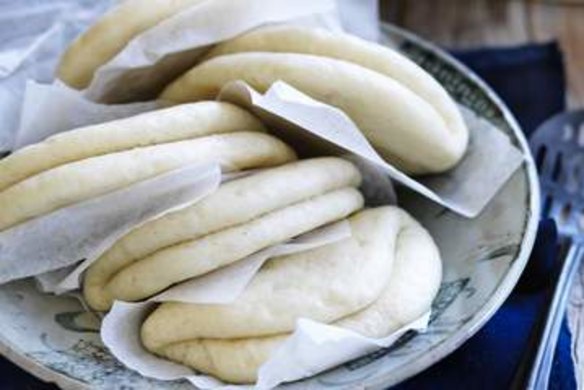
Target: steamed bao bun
[
  {"x": 242, "y": 217},
  {"x": 110, "y": 34},
  {"x": 397, "y": 105},
  {"x": 404, "y": 112},
  {"x": 84, "y": 163},
  {"x": 383, "y": 277}
]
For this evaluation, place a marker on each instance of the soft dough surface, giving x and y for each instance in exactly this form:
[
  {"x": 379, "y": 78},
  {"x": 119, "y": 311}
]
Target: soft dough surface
[
  {"x": 173, "y": 124},
  {"x": 394, "y": 119},
  {"x": 235, "y": 202},
  {"x": 111, "y": 34},
  {"x": 326, "y": 283},
  {"x": 84, "y": 179},
  {"x": 164, "y": 268},
  {"x": 407, "y": 294},
  {"x": 299, "y": 39}
]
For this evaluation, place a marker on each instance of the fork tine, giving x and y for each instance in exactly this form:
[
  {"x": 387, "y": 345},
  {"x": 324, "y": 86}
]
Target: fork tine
[
  {"x": 547, "y": 169},
  {"x": 557, "y": 210}
]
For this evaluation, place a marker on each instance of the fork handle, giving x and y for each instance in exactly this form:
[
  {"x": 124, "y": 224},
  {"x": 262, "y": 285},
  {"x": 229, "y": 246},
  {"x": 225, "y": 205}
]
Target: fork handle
[{"x": 542, "y": 364}]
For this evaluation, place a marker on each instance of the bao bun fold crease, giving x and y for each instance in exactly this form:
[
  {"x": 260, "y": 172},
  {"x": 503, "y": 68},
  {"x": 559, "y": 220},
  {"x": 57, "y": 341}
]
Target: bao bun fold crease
[
  {"x": 382, "y": 59},
  {"x": 110, "y": 34},
  {"x": 407, "y": 130},
  {"x": 243, "y": 216},
  {"x": 94, "y": 176},
  {"x": 173, "y": 124},
  {"x": 387, "y": 248}
]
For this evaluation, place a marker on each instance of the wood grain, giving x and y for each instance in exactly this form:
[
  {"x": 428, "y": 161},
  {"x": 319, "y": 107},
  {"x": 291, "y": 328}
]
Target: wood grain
[
  {"x": 566, "y": 24},
  {"x": 480, "y": 23}
]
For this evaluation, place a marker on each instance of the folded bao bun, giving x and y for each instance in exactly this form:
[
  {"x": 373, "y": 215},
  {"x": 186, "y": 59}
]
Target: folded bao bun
[
  {"x": 241, "y": 217},
  {"x": 193, "y": 258},
  {"x": 325, "y": 284},
  {"x": 172, "y": 330},
  {"x": 81, "y": 180},
  {"x": 177, "y": 123},
  {"x": 111, "y": 34},
  {"x": 305, "y": 40},
  {"x": 404, "y": 128}
]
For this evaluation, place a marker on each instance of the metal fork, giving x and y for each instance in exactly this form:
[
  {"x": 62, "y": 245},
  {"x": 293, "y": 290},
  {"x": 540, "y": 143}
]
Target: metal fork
[{"x": 558, "y": 146}]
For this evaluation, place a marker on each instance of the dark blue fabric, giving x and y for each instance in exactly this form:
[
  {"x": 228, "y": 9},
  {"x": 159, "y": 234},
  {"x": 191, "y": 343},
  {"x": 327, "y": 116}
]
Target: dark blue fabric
[
  {"x": 13, "y": 377},
  {"x": 531, "y": 81}
]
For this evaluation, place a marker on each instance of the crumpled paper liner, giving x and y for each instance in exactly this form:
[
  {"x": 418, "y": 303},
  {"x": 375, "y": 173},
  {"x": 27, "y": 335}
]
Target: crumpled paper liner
[
  {"x": 68, "y": 18},
  {"x": 86, "y": 229},
  {"x": 154, "y": 58},
  {"x": 68, "y": 279},
  {"x": 34, "y": 34},
  {"x": 298, "y": 119},
  {"x": 313, "y": 347},
  {"x": 49, "y": 109}
]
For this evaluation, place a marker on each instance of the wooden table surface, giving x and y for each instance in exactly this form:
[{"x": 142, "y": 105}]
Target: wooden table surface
[{"x": 479, "y": 23}]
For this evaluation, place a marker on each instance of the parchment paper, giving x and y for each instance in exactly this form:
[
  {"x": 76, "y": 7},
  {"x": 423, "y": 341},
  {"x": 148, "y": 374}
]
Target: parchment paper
[
  {"x": 298, "y": 119},
  {"x": 313, "y": 347},
  {"x": 68, "y": 279},
  {"x": 154, "y": 58},
  {"x": 86, "y": 229},
  {"x": 33, "y": 34},
  {"x": 49, "y": 109}
]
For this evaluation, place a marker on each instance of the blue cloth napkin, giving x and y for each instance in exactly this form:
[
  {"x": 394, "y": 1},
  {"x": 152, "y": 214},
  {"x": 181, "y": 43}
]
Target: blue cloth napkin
[{"x": 531, "y": 81}]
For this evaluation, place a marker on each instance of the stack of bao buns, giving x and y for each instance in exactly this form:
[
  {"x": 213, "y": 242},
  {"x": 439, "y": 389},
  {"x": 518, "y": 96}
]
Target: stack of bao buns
[
  {"x": 396, "y": 104},
  {"x": 383, "y": 276},
  {"x": 91, "y": 161},
  {"x": 242, "y": 217}
]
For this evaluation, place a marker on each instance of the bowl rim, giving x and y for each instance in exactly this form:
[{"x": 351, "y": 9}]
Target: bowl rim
[
  {"x": 511, "y": 277},
  {"x": 10, "y": 351}
]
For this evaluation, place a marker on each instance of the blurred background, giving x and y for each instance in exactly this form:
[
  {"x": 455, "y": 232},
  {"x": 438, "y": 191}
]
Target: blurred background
[{"x": 468, "y": 24}]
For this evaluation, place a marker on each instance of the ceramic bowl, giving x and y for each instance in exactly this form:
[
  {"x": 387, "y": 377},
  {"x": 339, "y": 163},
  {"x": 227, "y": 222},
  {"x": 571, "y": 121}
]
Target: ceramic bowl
[{"x": 54, "y": 339}]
